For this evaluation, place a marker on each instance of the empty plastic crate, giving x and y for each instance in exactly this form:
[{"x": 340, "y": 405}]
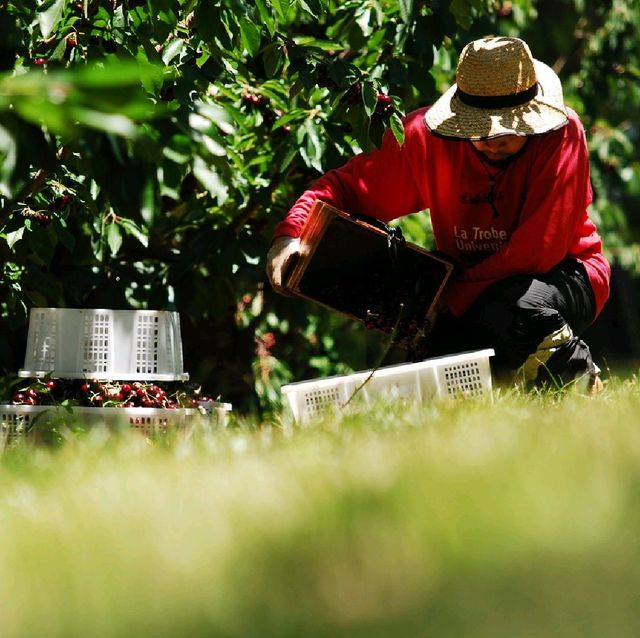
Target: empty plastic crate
[
  {"x": 466, "y": 374},
  {"x": 104, "y": 344}
]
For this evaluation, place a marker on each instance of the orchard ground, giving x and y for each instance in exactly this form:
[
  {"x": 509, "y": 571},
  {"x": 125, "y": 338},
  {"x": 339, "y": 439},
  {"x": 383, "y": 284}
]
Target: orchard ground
[{"x": 517, "y": 516}]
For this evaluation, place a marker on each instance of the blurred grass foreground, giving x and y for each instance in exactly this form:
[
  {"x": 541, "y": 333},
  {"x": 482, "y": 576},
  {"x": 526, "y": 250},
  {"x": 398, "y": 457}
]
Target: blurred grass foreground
[{"x": 519, "y": 517}]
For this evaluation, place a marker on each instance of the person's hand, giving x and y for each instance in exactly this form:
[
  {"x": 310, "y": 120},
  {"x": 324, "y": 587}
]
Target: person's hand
[{"x": 280, "y": 255}]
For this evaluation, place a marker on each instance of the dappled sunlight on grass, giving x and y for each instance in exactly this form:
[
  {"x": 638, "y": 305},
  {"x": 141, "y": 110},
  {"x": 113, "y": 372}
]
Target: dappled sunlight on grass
[{"x": 516, "y": 516}]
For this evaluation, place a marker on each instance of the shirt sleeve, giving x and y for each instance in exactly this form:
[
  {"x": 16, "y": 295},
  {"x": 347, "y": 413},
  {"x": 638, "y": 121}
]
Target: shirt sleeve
[
  {"x": 381, "y": 184},
  {"x": 554, "y": 212}
]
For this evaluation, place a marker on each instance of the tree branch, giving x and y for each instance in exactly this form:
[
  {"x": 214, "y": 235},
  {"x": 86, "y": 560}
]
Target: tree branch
[{"x": 37, "y": 181}]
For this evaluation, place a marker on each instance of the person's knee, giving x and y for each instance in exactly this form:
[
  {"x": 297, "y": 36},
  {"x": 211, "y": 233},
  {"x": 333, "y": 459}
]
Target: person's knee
[{"x": 534, "y": 316}]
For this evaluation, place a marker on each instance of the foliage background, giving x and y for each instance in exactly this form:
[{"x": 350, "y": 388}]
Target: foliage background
[{"x": 149, "y": 147}]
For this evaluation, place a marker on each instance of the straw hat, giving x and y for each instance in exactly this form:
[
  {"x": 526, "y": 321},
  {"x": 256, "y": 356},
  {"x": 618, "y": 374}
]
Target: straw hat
[{"x": 500, "y": 90}]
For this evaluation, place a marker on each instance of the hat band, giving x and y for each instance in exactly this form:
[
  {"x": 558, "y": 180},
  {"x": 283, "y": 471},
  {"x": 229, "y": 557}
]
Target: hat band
[{"x": 497, "y": 101}]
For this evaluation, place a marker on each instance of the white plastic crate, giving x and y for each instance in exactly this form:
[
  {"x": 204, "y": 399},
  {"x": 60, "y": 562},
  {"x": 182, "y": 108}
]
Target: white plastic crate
[
  {"x": 17, "y": 420},
  {"x": 466, "y": 374},
  {"x": 13, "y": 428},
  {"x": 217, "y": 411},
  {"x": 104, "y": 344}
]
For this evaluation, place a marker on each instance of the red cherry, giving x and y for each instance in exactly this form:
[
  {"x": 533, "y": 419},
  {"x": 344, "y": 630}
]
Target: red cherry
[
  {"x": 61, "y": 202},
  {"x": 18, "y": 397},
  {"x": 72, "y": 41},
  {"x": 126, "y": 388},
  {"x": 85, "y": 387},
  {"x": 253, "y": 100},
  {"x": 50, "y": 384},
  {"x": 40, "y": 61},
  {"x": 353, "y": 94},
  {"x": 269, "y": 340}
]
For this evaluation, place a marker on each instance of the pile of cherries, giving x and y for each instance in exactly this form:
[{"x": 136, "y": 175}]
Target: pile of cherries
[{"x": 115, "y": 394}]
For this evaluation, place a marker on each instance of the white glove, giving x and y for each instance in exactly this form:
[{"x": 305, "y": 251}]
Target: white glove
[{"x": 280, "y": 255}]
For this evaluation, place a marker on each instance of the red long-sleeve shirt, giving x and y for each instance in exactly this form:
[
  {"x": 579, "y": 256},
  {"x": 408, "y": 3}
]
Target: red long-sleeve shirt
[{"x": 539, "y": 215}]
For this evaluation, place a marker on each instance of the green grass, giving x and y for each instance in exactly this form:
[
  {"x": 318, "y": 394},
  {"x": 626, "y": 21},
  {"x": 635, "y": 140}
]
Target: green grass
[{"x": 515, "y": 518}]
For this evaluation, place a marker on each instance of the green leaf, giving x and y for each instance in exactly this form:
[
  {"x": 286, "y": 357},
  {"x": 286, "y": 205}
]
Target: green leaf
[
  {"x": 217, "y": 115},
  {"x": 397, "y": 128},
  {"x": 266, "y": 16},
  {"x": 213, "y": 146},
  {"x": 114, "y": 239},
  {"x": 58, "y": 52},
  {"x": 131, "y": 228},
  {"x": 369, "y": 97},
  {"x": 461, "y": 11},
  {"x": 105, "y": 96},
  {"x": 313, "y": 148},
  {"x": 282, "y": 8},
  {"x": 209, "y": 179},
  {"x": 312, "y": 7},
  {"x": 118, "y": 22},
  {"x": 64, "y": 236},
  {"x": 250, "y": 36},
  {"x": 206, "y": 20},
  {"x": 40, "y": 248},
  {"x": 360, "y": 122},
  {"x": 8, "y": 160},
  {"x": 14, "y": 237},
  {"x": 108, "y": 122},
  {"x": 295, "y": 88},
  {"x": 49, "y": 16},
  {"x": 406, "y": 10},
  {"x": 116, "y": 73},
  {"x": 148, "y": 201},
  {"x": 173, "y": 49},
  {"x": 175, "y": 156},
  {"x": 273, "y": 58},
  {"x": 317, "y": 43},
  {"x": 284, "y": 158},
  {"x": 291, "y": 116},
  {"x": 363, "y": 19}
]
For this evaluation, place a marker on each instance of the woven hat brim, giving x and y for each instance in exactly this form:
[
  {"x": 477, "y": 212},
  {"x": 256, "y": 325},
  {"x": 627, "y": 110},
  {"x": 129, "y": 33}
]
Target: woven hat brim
[{"x": 546, "y": 112}]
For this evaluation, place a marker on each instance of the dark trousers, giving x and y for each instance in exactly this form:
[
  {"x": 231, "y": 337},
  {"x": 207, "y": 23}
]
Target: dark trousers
[{"x": 515, "y": 315}]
